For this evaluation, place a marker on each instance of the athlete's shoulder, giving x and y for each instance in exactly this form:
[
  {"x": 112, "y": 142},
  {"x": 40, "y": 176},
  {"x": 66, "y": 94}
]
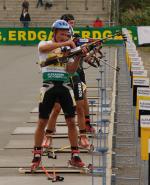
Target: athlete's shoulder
[{"x": 43, "y": 42}]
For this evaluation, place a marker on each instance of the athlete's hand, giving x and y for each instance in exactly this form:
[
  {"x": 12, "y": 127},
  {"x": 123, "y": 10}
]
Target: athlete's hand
[
  {"x": 70, "y": 43},
  {"x": 84, "y": 50},
  {"x": 98, "y": 43},
  {"x": 87, "y": 58}
]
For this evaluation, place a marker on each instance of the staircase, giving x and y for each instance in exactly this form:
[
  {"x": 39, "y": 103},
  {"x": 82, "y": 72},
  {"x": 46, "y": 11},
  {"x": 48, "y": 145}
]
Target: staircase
[{"x": 85, "y": 12}]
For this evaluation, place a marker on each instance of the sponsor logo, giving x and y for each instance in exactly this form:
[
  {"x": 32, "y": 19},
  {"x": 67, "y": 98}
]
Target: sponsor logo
[{"x": 80, "y": 90}]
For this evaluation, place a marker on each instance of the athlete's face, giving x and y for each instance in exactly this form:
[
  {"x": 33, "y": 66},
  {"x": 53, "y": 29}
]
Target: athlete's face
[
  {"x": 71, "y": 23},
  {"x": 62, "y": 35}
]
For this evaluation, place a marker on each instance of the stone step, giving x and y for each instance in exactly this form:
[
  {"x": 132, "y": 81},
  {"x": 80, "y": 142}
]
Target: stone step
[
  {"x": 123, "y": 140},
  {"x": 126, "y": 180},
  {"x": 125, "y": 161},
  {"x": 125, "y": 133},
  {"x": 130, "y": 171},
  {"x": 123, "y": 119},
  {"x": 94, "y": 9},
  {"x": 125, "y": 151}
]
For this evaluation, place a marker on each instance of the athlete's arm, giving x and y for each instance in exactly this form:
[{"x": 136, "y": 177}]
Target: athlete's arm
[
  {"x": 73, "y": 66},
  {"x": 53, "y": 45}
]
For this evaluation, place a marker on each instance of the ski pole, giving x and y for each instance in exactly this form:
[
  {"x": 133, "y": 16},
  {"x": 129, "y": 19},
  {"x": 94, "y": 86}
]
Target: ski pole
[
  {"x": 117, "y": 68},
  {"x": 53, "y": 177}
]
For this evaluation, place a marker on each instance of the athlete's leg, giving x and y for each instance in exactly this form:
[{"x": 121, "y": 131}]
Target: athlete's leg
[
  {"x": 86, "y": 104},
  {"x": 67, "y": 105},
  {"x": 45, "y": 107},
  {"x": 38, "y": 139},
  {"x": 89, "y": 127},
  {"x": 73, "y": 138},
  {"x": 79, "y": 97},
  {"x": 51, "y": 126},
  {"x": 72, "y": 132},
  {"x": 53, "y": 117},
  {"x": 78, "y": 93},
  {"x": 80, "y": 114},
  {"x": 39, "y": 133}
]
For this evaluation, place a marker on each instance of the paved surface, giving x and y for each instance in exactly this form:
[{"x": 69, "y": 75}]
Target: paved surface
[{"x": 20, "y": 83}]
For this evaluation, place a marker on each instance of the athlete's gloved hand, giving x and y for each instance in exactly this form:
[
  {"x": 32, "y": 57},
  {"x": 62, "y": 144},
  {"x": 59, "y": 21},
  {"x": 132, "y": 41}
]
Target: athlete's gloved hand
[{"x": 65, "y": 50}]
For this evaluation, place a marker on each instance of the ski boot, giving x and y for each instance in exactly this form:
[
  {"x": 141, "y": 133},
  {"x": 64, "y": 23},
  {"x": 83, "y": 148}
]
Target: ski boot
[
  {"x": 75, "y": 160},
  {"x": 83, "y": 141},
  {"x": 90, "y": 128},
  {"x": 36, "y": 159}
]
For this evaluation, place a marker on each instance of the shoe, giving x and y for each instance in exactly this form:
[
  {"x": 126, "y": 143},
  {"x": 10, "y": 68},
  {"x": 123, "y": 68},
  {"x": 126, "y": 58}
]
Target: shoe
[
  {"x": 76, "y": 160},
  {"x": 83, "y": 141},
  {"x": 90, "y": 128},
  {"x": 47, "y": 142},
  {"x": 36, "y": 159}
]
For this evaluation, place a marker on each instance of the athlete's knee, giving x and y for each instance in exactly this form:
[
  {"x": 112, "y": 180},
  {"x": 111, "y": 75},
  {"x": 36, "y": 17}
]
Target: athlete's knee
[
  {"x": 71, "y": 122},
  {"x": 80, "y": 108},
  {"x": 56, "y": 109}
]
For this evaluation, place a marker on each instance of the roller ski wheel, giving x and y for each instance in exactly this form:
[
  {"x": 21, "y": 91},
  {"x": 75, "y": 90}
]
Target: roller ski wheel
[
  {"x": 52, "y": 155},
  {"x": 83, "y": 141}
]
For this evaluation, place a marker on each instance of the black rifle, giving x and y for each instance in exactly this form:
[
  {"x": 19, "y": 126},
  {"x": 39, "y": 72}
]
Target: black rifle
[{"x": 67, "y": 53}]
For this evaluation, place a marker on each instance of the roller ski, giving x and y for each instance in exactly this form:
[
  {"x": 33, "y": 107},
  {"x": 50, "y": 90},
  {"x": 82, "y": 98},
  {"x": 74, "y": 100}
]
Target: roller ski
[
  {"x": 36, "y": 162},
  {"x": 37, "y": 167}
]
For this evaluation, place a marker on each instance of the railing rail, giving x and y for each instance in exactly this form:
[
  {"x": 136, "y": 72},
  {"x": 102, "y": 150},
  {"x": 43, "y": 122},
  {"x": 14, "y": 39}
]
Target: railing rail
[{"x": 14, "y": 24}]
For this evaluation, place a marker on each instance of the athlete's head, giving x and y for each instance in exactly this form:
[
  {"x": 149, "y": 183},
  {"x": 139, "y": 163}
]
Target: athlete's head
[
  {"x": 69, "y": 18},
  {"x": 60, "y": 30}
]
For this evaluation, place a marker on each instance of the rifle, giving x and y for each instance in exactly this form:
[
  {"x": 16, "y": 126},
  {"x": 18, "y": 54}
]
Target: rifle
[
  {"x": 94, "y": 45},
  {"x": 68, "y": 53}
]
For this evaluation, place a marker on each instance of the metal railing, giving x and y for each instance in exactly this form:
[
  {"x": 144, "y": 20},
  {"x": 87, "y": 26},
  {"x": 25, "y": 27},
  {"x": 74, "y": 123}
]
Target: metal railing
[{"x": 14, "y": 24}]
